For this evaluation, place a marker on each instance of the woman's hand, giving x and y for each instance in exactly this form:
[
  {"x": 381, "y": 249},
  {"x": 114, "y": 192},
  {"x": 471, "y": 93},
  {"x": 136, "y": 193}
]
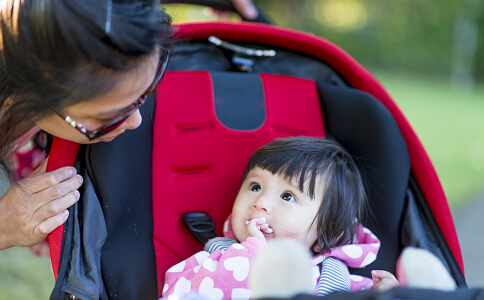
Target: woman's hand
[
  {"x": 38, "y": 204},
  {"x": 255, "y": 227},
  {"x": 245, "y": 8}
]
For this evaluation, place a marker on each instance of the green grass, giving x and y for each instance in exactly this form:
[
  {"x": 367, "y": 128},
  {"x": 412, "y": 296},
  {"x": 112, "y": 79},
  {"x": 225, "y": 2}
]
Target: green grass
[
  {"x": 23, "y": 276},
  {"x": 450, "y": 125}
]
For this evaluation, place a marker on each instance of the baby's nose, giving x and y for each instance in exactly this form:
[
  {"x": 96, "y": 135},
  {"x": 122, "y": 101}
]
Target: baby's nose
[{"x": 262, "y": 203}]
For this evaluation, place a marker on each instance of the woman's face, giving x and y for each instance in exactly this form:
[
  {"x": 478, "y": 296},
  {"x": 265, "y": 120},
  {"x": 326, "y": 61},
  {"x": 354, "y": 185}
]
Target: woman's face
[{"x": 100, "y": 110}]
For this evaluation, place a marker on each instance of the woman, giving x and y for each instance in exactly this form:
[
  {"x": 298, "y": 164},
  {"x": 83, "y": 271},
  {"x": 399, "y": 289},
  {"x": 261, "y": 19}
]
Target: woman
[{"x": 78, "y": 69}]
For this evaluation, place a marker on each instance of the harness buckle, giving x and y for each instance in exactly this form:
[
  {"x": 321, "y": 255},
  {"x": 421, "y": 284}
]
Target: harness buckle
[{"x": 200, "y": 225}]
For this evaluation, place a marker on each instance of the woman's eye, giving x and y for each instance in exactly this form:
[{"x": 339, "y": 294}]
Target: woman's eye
[
  {"x": 287, "y": 197},
  {"x": 255, "y": 188}
]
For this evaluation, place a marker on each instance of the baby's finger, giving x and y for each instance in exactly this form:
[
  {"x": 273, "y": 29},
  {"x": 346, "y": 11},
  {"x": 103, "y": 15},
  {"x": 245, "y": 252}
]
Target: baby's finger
[
  {"x": 252, "y": 226},
  {"x": 259, "y": 221},
  {"x": 375, "y": 275},
  {"x": 382, "y": 287},
  {"x": 385, "y": 284},
  {"x": 265, "y": 227}
]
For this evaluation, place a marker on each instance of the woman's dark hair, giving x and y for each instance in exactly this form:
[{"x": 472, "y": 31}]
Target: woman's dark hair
[
  {"x": 57, "y": 53},
  {"x": 307, "y": 159}
]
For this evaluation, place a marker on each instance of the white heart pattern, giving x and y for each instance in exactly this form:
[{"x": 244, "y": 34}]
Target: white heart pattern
[
  {"x": 353, "y": 251},
  {"x": 370, "y": 257},
  {"x": 208, "y": 290},
  {"x": 239, "y": 265},
  {"x": 201, "y": 256},
  {"x": 210, "y": 264},
  {"x": 238, "y": 246},
  {"x": 177, "y": 268},
  {"x": 356, "y": 278},
  {"x": 182, "y": 287}
]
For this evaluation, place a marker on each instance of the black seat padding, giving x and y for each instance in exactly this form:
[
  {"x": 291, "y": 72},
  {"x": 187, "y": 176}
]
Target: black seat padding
[
  {"x": 121, "y": 173},
  {"x": 369, "y": 132}
]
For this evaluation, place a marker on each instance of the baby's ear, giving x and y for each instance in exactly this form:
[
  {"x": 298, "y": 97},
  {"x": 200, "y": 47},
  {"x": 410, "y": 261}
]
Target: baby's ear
[{"x": 316, "y": 248}]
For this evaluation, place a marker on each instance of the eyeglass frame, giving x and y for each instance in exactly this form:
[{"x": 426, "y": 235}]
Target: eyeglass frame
[{"x": 97, "y": 133}]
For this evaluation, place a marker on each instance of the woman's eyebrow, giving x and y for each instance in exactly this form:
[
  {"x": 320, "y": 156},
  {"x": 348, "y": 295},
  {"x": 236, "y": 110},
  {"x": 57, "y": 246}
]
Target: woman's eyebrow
[{"x": 111, "y": 113}]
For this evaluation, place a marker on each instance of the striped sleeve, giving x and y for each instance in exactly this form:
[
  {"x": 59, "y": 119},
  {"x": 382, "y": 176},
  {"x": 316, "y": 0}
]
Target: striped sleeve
[
  {"x": 334, "y": 277},
  {"x": 219, "y": 243}
]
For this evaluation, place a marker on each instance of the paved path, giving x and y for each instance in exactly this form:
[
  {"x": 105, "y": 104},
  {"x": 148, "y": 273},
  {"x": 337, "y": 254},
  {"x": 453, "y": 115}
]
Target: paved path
[{"x": 469, "y": 224}]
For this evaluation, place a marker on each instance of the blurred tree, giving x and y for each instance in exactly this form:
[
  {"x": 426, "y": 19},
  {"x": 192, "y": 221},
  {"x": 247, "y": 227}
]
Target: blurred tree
[{"x": 425, "y": 36}]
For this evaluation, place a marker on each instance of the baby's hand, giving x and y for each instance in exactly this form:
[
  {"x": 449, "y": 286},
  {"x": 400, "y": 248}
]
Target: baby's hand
[
  {"x": 254, "y": 228},
  {"x": 383, "y": 280}
]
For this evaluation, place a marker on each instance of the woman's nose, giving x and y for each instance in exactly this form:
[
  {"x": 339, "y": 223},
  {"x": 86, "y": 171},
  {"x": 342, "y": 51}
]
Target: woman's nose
[
  {"x": 133, "y": 121},
  {"x": 262, "y": 203}
]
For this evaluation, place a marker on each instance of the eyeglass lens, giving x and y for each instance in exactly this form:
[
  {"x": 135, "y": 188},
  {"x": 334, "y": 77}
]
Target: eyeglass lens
[{"x": 164, "y": 57}]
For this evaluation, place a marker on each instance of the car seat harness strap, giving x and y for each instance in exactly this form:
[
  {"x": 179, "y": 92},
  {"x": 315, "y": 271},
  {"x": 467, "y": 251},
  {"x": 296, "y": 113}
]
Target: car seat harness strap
[{"x": 200, "y": 225}]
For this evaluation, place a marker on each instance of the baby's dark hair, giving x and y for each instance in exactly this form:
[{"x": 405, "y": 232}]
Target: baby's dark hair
[{"x": 305, "y": 159}]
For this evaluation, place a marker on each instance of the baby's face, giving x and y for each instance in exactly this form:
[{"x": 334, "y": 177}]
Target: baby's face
[{"x": 288, "y": 211}]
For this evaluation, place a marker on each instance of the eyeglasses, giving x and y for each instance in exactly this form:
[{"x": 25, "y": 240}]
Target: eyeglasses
[{"x": 116, "y": 122}]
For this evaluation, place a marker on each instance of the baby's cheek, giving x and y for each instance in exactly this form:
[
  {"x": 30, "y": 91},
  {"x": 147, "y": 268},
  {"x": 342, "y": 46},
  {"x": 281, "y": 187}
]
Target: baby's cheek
[
  {"x": 302, "y": 234},
  {"x": 239, "y": 231}
]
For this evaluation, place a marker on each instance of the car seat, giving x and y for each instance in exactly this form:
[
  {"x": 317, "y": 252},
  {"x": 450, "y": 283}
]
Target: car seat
[{"x": 205, "y": 119}]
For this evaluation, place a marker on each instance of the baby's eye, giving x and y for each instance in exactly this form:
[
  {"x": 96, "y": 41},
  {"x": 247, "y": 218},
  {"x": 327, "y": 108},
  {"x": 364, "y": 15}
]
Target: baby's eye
[
  {"x": 255, "y": 188},
  {"x": 286, "y": 196}
]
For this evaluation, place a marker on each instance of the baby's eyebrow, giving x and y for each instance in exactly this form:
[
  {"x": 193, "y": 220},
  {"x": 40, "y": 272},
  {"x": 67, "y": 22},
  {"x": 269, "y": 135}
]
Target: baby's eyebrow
[{"x": 294, "y": 183}]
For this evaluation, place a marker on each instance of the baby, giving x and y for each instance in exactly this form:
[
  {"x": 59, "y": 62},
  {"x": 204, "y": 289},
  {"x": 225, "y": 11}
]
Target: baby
[{"x": 302, "y": 188}]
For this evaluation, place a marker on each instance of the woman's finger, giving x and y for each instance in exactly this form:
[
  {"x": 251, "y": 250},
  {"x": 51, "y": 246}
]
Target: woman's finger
[
  {"x": 59, "y": 190},
  {"x": 38, "y": 183},
  {"x": 44, "y": 228},
  {"x": 246, "y": 8},
  {"x": 55, "y": 207},
  {"x": 41, "y": 168}
]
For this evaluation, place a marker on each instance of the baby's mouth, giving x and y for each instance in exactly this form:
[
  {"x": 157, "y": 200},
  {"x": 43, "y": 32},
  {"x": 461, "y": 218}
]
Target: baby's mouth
[{"x": 268, "y": 230}]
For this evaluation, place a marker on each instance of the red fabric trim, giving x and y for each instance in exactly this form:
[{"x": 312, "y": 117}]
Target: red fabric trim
[
  {"x": 62, "y": 153},
  {"x": 198, "y": 163},
  {"x": 357, "y": 77}
]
